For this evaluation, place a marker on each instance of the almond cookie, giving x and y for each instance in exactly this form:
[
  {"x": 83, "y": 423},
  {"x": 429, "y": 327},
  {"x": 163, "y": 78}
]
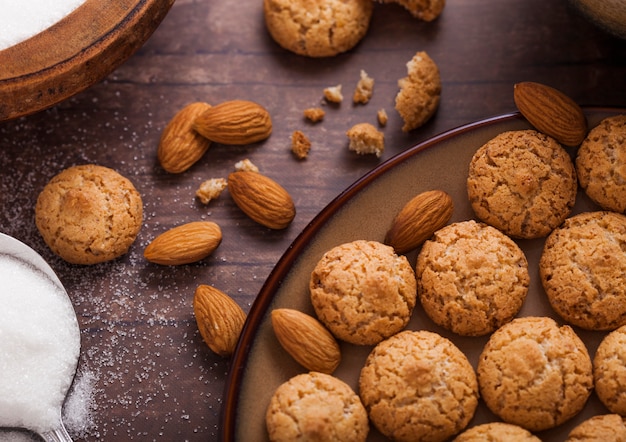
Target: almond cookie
[
  {"x": 417, "y": 385},
  {"x": 497, "y": 432},
  {"x": 601, "y": 164},
  {"x": 609, "y": 371},
  {"x": 89, "y": 214},
  {"x": 583, "y": 267},
  {"x": 426, "y": 10},
  {"x": 602, "y": 428},
  {"x": 535, "y": 374},
  {"x": 471, "y": 278},
  {"x": 316, "y": 407},
  {"x": 320, "y": 28},
  {"x": 523, "y": 183},
  {"x": 363, "y": 292},
  {"x": 420, "y": 92}
]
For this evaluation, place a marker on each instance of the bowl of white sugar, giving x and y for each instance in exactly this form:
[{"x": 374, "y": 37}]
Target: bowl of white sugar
[
  {"x": 51, "y": 50},
  {"x": 39, "y": 343}
]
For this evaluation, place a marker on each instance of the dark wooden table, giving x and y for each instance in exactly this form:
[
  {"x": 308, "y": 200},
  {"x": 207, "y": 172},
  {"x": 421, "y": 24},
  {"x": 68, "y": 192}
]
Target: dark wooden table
[{"x": 144, "y": 370}]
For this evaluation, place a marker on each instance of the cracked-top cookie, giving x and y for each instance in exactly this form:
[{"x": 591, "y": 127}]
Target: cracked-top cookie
[
  {"x": 534, "y": 373},
  {"x": 317, "y": 28},
  {"x": 89, "y": 214},
  {"x": 523, "y": 183}
]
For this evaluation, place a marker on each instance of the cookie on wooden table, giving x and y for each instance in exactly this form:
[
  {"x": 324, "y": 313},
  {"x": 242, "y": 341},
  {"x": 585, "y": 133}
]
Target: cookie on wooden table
[
  {"x": 601, "y": 164},
  {"x": 420, "y": 92},
  {"x": 609, "y": 371},
  {"x": 427, "y": 10},
  {"x": 583, "y": 270},
  {"x": 471, "y": 278},
  {"x": 523, "y": 183},
  {"x": 317, "y": 28},
  {"x": 363, "y": 291},
  {"x": 534, "y": 373},
  {"x": 316, "y": 407},
  {"x": 496, "y": 432},
  {"x": 601, "y": 428},
  {"x": 89, "y": 214},
  {"x": 417, "y": 385}
]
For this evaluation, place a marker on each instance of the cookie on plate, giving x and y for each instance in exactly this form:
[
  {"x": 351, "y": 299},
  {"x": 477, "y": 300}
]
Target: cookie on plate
[
  {"x": 320, "y": 28},
  {"x": 601, "y": 428},
  {"x": 534, "y": 373},
  {"x": 471, "y": 278},
  {"x": 420, "y": 92},
  {"x": 316, "y": 407},
  {"x": 89, "y": 214},
  {"x": 363, "y": 291},
  {"x": 496, "y": 432},
  {"x": 609, "y": 371},
  {"x": 417, "y": 385},
  {"x": 583, "y": 270},
  {"x": 523, "y": 183},
  {"x": 601, "y": 164}
]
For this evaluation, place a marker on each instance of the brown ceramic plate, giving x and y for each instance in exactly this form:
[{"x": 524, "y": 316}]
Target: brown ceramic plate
[
  {"x": 365, "y": 211},
  {"x": 74, "y": 53}
]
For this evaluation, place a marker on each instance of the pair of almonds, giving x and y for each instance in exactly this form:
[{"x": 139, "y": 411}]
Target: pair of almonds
[{"x": 190, "y": 132}]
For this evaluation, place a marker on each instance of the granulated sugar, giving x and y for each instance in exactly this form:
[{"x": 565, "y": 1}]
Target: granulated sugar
[
  {"x": 20, "y": 20},
  {"x": 39, "y": 347}
]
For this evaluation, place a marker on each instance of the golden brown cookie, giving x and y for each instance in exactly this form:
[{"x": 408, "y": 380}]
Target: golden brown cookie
[
  {"x": 317, "y": 28},
  {"x": 420, "y": 92},
  {"x": 523, "y": 183},
  {"x": 363, "y": 292},
  {"x": 601, "y": 164},
  {"x": 89, "y": 214},
  {"x": 497, "y": 432},
  {"x": 601, "y": 428},
  {"x": 426, "y": 10},
  {"x": 417, "y": 385},
  {"x": 535, "y": 374},
  {"x": 316, "y": 407},
  {"x": 609, "y": 371},
  {"x": 582, "y": 270},
  {"x": 471, "y": 278}
]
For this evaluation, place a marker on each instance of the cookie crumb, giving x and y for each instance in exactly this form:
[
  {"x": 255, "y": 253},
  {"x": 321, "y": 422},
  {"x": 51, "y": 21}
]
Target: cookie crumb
[
  {"x": 246, "y": 165},
  {"x": 333, "y": 94},
  {"x": 382, "y": 117},
  {"x": 364, "y": 89},
  {"x": 210, "y": 189},
  {"x": 314, "y": 114},
  {"x": 300, "y": 144},
  {"x": 366, "y": 139}
]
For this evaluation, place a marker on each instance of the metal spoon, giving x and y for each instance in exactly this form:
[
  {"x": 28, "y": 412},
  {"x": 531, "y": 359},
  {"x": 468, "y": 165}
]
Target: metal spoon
[{"x": 16, "y": 249}]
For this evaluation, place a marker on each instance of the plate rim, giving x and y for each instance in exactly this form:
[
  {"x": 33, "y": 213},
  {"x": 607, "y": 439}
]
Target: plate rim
[{"x": 263, "y": 300}]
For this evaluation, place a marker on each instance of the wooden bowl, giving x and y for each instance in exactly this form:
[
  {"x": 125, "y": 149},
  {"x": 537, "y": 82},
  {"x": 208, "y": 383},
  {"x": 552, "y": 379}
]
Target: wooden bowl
[{"x": 75, "y": 53}]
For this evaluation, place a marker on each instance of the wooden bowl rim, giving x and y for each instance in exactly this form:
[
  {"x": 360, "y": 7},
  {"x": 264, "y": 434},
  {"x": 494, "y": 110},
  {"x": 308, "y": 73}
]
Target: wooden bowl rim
[{"x": 74, "y": 53}]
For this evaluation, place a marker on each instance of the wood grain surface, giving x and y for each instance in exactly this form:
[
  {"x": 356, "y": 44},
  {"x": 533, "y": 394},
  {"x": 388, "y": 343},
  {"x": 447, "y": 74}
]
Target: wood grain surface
[{"x": 144, "y": 370}]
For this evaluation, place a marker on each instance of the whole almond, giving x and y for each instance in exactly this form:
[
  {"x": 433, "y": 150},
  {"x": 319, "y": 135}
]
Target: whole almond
[
  {"x": 180, "y": 145},
  {"x": 422, "y": 216},
  {"x": 551, "y": 112},
  {"x": 262, "y": 199},
  {"x": 235, "y": 122},
  {"x": 184, "y": 244},
  {"x": 219, "y": 319},
  {"x": 306, "y": 340}
]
